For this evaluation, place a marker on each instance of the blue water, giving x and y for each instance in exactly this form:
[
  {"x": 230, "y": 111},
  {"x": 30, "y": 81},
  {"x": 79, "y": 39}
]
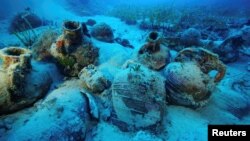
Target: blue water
[{"x": 11, "y": 7}]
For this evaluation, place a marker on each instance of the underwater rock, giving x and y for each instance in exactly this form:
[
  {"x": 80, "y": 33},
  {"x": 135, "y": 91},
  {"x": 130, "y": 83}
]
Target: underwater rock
[
  {"x": 21, "y": 83},
  {"x": 72, "y": 51},
  {"x": 145, "y": 136},
  {"x": 147, "y": 25},
  {"x": 238, "y": 23},
  {"x": 41, "y": 48},
  {"x": 173, "y": 43},
  {"x": 219, "y": 27},
  {"x": 93, "y": 80},
  {"x": 138, "y": 97},
  {"x": 228, "y": 50},
  {"x": 24, "y": 21},
  {"x": 177, "y": 44},
  {"x": 124, "y": 42},
  {"x": 187, "y": 80},
  {"x": 242, "y": 84},
  {"x": 244, "y": 46},
  {"x": 245, "y": 34},
  {"x": 143, "y": 25},
  {"x": 191, "y": 37},
  {"x": 248, "y": 22},
  {"x": 245, "y": 50},
  {"x": 130, "y": 22},
  {"x": 153, "y": 54},
  {"x": 102, "y": 32},
  {"x": 90, "y": 22}
]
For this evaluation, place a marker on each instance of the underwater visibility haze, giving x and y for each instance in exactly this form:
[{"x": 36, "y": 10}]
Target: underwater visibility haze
[{"x": 101, "y": 70}]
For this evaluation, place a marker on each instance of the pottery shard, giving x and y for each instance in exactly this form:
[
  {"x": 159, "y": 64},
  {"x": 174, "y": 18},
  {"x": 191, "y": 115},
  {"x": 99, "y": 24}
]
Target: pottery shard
[{"x": 93, "y": 80}]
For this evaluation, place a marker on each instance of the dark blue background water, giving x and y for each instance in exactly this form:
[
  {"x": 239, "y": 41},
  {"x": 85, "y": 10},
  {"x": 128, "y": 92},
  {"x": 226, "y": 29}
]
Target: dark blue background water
[{"x": 10, "y": 7}]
